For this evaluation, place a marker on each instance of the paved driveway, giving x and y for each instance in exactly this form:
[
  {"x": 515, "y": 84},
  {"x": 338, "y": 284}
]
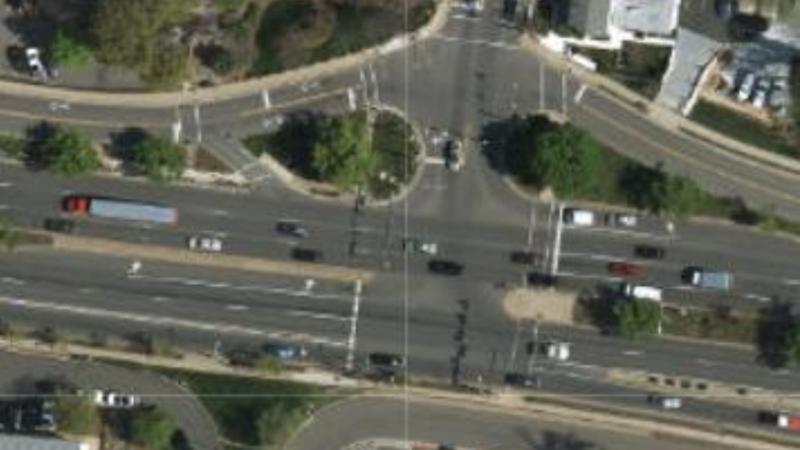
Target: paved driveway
[{"x": 187, "y": 411}]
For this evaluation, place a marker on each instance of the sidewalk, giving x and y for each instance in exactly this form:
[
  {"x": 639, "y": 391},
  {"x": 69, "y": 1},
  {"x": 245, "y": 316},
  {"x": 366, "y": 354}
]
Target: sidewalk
[
  {"x": 743, "y": 152},
  {"x": 232, "y": 90}
]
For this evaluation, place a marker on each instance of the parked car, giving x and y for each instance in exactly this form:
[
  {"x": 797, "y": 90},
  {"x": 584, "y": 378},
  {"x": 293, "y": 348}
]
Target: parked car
[
  {"x": 622, "y": 220},
  {"x": 306, "y": 254},
  {"x": 419, "y": 245},
  {"x": 453, "y": 155},
  {"x": 285, "y": 351},
  {"x": 746, "y": 87},
  {"x": 761, "y": 92},
  {"x": 35, "y": 64},
  {"x": 292, "y": 228},
  {"x": 444, "y": 267},
  {"x": 112, "y": 399},
  {"x": 204, "y": 243},
  {"x": 626, "y": 269},
  {"x": 665, "y": 401},
  {"x": 645, "y": 251},
  {"x": 59, "y": 225},
  {"x": 522, "y": 380},
  {"x": 579, "y": 217}
]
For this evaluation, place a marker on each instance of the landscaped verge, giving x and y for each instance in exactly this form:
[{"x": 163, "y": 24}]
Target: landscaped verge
[
  {"x": 254, "y": 412},
  {"x": 542, "y": 154},
  {"x": 374, "y": 155}
]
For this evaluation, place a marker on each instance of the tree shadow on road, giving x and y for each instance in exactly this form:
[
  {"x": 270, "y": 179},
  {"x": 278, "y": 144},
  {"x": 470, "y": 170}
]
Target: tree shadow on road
[{"x": 776, "y": 334}]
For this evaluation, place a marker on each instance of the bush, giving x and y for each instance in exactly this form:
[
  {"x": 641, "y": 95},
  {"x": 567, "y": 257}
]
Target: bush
[
  {"x": 9, "y": 237},
  {"x": 636, "y": 318},
  {"x": 152, "y": 429},
  {"x": 158, "y": 158},
  {"x": 12, "y": 146},
  {"x": 63, "y": 151},
  {"x": 217, "y": 58},
  {"x": 342, "y": 155}
]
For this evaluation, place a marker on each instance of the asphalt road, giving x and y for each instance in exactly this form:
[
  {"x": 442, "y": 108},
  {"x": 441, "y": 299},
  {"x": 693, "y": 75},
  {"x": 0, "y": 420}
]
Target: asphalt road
[
  {"x": 20, "y": 371},
  {"x": 367, "y": 419},
  {"x": 198, "y": 307}
]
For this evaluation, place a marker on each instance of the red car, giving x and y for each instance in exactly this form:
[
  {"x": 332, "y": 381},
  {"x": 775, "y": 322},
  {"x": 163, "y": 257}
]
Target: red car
[{"x": 626, "y": 269}]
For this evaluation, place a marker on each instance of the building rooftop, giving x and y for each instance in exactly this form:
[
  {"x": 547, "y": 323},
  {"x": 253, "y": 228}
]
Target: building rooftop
[{"x": 654, "y": 17}]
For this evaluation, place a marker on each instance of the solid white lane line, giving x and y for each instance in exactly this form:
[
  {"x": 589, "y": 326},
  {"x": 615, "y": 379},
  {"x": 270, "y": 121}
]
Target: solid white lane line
[
  {"x": 592, "y": 256},
  {"x": 168, "y": 321},
  {"x": 159, "y": 299},
  {"x": 318, "y": 316},
  {"x": 633, "y": 353},
  {"x": 5, "y": 184},
  {"x": 792, "y": 282},
  {"x": 223, "y": 285},
  {"x": 12, "y": 280},
  {"x": 236, "y": 307},
  {"x": 588, "y": 276},
  {"x": 616, "y": 231}
]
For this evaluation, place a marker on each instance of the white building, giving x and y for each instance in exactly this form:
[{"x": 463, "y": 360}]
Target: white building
[{"x": 609, "y": 23}]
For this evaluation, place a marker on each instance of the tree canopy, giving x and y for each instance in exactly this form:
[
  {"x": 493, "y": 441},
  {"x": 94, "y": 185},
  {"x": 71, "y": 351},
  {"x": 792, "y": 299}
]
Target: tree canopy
[
  {"x": 342, "y": 155},
  {"x": 158, "y": 158},
  {"x": 152, "y": 429},
  {"x": 63, "y": 151},
  {"x": 566, "y": 159}
]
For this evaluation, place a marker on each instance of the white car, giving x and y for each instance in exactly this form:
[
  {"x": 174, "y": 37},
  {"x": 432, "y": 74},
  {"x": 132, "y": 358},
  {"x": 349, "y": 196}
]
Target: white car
[
  {"x": 35, "y": 62},
  {"x": 453, "y": 155},
  {"x": 622, "y": 220},
  {"x": 578, "y": 217},
  {"x": 746, "y": 88},
  {"x": 205, "y": 244},
  {"x": 419, "y": 245},
  {"x": 557, "y": 351},
  {"x": 666, "y": 402},
  {"x": 641, "y": 292},
  {"x": 760, "y": 97},
  {"x": 111, "y": 399}
]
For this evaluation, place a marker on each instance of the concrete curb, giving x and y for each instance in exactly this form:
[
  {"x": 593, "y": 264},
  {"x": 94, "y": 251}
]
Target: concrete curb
[
  {"x": 233, "y": 262},
  {"x": 661, "y": 116},
  {"x": 232, "y": 90}
]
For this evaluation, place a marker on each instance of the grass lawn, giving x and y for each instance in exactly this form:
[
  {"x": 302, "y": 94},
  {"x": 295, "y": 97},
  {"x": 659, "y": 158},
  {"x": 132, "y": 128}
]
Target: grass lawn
[
  {"x": 743, "y": 129},
  {"x": 638, "y": 67},
  {"x": 710, "y": 324},
  {"x": 251, "y": 411}
]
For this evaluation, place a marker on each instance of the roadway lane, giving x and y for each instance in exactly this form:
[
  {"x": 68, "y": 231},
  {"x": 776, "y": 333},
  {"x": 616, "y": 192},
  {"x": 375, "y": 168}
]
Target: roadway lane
[{"x": 470, "y": 427}]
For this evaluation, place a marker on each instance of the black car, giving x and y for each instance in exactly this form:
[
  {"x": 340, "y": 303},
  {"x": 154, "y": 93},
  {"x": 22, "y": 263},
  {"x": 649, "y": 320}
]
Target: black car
[
  {"x": 522, "y": 380},
  {"x": 522, "y": 257},
  {"x": 541, "y": 279},
  {"x": 291, "y": 228},
  {"x": 443, "y": 267},
  {"x": 649, "y": 252},
  {"x": 59, "y": 225},
  {"x": 306, "y": 254},
  {"x": 385, "y": 361}
]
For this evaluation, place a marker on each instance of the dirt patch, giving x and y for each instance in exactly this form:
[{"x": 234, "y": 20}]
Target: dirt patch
[{"x": 543, "y": 305}]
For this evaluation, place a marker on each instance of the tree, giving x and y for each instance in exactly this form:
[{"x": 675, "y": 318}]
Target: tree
[
  {"x": 152, "y": 429},
  {"x": 75, "y": 414},
  {"x": 636, "y": 318},
  {"x": 342, "y": 154},
  {"x": 794, "y": 90},
  {"x": 566, "y": 159},
  {"x": 158, "y": 158},
  {"x": 132, "y": 33},
  {"x": 66, "y": 152},
  {"x": 680, "y": 197},
  {"x": 778, "y": 336},
  {"x": 69, "y": 52},
  {"x": 217, "y": 58},
  {"x": 168, "y": 67}
]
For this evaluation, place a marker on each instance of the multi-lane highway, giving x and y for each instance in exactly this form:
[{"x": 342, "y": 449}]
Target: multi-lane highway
[{"x": 470, "y": 74}]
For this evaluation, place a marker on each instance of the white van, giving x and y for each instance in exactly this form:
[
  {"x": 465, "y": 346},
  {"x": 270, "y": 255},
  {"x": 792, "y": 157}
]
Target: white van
[
  {"x": 641, "y": 292},
  {"x": 579, "y": 217}
]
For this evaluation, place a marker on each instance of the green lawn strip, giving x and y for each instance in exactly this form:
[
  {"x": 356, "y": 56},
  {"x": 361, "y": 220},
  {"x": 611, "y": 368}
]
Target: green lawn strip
[
  {"x": 742, "y": 128},
  {"x": 638, "y": 67},
  {"x": 712, "y": 324},
  {"x": 252, "y": 411}
]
